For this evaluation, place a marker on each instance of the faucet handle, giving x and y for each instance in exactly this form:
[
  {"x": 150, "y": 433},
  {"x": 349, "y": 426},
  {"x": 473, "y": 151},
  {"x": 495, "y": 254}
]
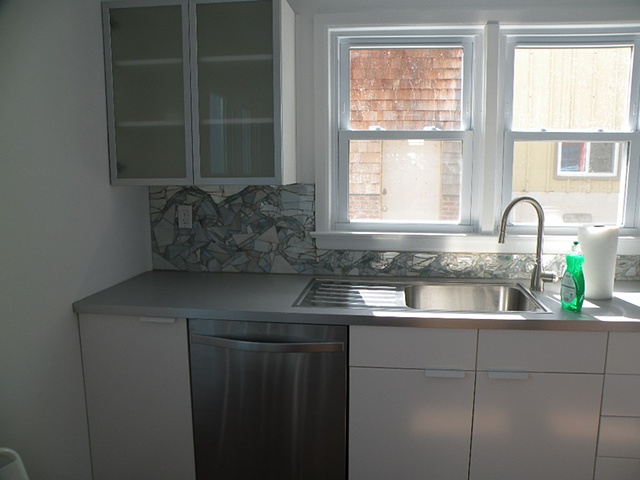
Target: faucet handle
[{"x": 552, "y": 277}]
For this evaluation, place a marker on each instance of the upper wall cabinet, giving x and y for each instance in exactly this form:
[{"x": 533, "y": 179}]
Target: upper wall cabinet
[{"x": 200, "y": 92}]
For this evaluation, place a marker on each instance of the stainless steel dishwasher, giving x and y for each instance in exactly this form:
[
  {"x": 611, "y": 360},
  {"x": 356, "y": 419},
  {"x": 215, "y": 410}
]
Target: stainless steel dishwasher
[{"x": 269, "y": 400}]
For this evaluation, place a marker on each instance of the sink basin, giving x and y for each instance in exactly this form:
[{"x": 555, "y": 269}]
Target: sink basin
[
  {"x": 443, "y": 295},
  {"x": 471, "y": 297}
]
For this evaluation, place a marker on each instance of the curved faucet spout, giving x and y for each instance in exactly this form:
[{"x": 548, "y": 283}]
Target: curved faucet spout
[{"x": 537, "y": 274}]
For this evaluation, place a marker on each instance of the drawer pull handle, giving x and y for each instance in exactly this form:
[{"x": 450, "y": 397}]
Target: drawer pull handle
[
  {"x": 445, "y": 373},
  {"x": 506, "y": 375},
  {"x": 157, "y": 319}
]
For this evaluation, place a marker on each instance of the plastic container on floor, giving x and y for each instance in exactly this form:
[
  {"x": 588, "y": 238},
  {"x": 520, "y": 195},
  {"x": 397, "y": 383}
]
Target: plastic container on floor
[{"x": 11, "y": 466}]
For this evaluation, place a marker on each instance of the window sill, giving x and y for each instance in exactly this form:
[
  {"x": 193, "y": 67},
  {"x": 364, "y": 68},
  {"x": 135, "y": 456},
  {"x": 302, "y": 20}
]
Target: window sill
[{"x": 458, "y": 243}]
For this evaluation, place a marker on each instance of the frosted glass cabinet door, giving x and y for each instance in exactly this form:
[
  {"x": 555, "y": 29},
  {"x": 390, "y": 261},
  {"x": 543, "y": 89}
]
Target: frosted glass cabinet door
[
  {"x": 235, "y": 106},
  {"x": 200, "y": 91},
  {"x": 146, "y": 48}
]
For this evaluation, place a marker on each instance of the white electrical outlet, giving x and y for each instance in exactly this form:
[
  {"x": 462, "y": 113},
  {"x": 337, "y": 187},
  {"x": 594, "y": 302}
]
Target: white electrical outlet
[{"x": 185, "y": 217}]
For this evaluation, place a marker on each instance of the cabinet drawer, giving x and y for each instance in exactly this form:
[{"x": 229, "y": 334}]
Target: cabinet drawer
[
  {"x": 621, "y": 394},
  {"x": 617, "y": 469},
  {"x": 619, "y": 437},
  {"x": 412, "y": 347},
  {"x": 543, "y": 351},
  {"x": 624, "y": 353}
]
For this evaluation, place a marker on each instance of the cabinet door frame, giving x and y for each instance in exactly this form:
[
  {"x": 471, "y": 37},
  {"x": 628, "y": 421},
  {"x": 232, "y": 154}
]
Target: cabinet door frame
[
  {"x": 425, "y": 366},
  {"x": 111, "y": 120},
  {"x": 505, "y": 407},
  {"x": 398, "y": 419},
  {"x": 526, "y": 382},
  {"x": 138, "y": 396},
  {"x": 283, "y": 20}
]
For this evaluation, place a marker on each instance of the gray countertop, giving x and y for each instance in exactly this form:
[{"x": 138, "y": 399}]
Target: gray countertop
[{"x": 270, "y": 297}]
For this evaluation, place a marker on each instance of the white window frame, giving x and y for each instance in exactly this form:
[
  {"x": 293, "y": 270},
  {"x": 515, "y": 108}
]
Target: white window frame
[
  {"x": 345, "y": 41},
  {"x": 333, "y": 230},
  {"x": 511, "y": 38},
  {"x": 490, "y": 174}
]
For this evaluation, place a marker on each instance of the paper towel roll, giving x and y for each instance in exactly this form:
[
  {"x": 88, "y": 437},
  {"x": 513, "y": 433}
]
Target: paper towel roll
[{"x": 599, "y": 244}]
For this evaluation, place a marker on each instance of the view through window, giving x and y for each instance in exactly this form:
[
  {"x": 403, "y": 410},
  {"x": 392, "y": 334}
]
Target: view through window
[
  {"x": 411, "y": 150},
  {"x": 583, "y": 91},
  {"x": 407, "y": 178}
]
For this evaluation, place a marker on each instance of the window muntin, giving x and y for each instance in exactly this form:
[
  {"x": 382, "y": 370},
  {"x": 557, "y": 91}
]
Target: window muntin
[
  {"x": 571, "y": 128},
  {"x": 404, "y": 141}
]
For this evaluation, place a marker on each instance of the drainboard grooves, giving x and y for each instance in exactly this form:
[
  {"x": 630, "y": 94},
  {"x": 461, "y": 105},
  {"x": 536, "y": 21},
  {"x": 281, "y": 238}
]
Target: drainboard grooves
[{"x": 332, "y": 293}]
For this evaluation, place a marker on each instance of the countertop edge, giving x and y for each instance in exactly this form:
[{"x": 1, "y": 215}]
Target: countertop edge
[{"x": 247, "y": 297}]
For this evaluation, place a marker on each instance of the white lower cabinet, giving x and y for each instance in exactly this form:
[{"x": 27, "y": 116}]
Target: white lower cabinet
[
  {"x": 537, "y": 405},
  {"x": 619, "y": 442},
  {"x": 422, "y": 407},
  {"x": 617, "y": 469},
  {"x": 535, "y": 426},
  {"x": 443, "y": 404},
  {"x": 138, "y": 395},
  {"x": 411, "y": 403},
  {"x": 404, "y": 424}
]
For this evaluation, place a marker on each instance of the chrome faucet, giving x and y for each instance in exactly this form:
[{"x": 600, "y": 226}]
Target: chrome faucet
[{"x": 538, "y": 276}]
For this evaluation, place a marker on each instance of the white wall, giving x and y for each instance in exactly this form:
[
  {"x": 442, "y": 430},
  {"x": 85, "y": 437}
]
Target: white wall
[{"x": 64, "y": 231}]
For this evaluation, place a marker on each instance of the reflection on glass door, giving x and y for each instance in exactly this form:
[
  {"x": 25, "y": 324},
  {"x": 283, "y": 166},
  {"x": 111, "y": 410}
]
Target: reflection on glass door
[
  {"x": 148, "y": 135},
  {"x": 235, "y": 89}
]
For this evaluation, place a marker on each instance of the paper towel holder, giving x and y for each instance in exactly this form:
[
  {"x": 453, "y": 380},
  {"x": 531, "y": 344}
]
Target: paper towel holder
[{"x": 599, "y": 244}]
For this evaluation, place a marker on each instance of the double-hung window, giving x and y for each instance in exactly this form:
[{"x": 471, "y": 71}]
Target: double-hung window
[
  {"x": 426, "y": 134},
  {"x": 571, "y": 126},
  {"x": 404, "y": 123}
]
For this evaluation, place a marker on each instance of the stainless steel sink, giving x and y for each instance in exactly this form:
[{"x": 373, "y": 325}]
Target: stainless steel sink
[
  {"x": 443, "y": 295},
  {"x": 470, "y": 297}
]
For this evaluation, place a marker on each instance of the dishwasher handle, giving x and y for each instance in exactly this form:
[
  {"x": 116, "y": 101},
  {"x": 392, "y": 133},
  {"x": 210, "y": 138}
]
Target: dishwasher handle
[{"x": 268, "y": 347}]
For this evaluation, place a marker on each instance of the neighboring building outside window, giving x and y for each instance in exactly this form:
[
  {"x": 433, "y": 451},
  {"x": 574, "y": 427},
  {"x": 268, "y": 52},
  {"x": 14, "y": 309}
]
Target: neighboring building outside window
[
  {"x": 592, "y": 159},
  {"x": 405, "y": 89},
  {"x": 571, "y": 96}
]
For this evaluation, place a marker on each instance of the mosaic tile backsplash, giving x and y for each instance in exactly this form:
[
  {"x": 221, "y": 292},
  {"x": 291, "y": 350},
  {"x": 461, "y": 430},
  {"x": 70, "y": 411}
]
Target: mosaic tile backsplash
[{"x": 262, "y": 229}]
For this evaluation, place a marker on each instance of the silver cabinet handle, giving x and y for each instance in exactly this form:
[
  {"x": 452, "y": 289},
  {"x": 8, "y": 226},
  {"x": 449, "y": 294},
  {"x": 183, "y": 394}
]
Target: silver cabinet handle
[
  {"x": 445, "y": 373},
  {"x": 508, "y": 375},
  {"x": 157, "y": 319},
  {"x": 268, "y": 347}
]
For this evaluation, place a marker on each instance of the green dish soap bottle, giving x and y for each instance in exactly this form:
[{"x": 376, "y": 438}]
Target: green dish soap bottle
[{"x": 572, "y": 286}]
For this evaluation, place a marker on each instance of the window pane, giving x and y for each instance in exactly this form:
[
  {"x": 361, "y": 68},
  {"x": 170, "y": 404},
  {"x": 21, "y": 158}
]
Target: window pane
[
  {"x": 405, "y": 180},
  {"x": 572, "y": 157},
  {"x": 406, "y": 88},
  {"x": 602, "y": 158},
  {"x": 571, "y": 88},
  {"x": 595, "y": 159},
  {"x": 572, "y": 192}
]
